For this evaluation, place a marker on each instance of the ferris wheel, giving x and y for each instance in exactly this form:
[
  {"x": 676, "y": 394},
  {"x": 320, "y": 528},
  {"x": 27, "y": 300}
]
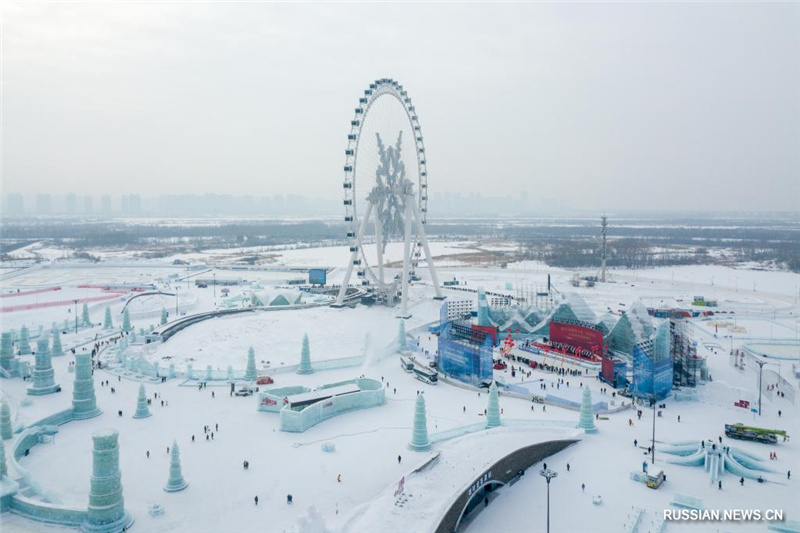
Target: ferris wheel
[{"x": 386, "y": 195}]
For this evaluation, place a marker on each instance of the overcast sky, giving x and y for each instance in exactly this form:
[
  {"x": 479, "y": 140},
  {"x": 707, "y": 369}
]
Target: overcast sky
[{"x": 617, "y": 105}]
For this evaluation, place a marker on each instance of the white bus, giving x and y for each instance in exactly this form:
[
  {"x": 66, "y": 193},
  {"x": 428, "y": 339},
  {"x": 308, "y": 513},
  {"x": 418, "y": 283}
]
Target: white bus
[
  {"x": 406, "y": 364},
  {"x": 429, "y": 376}
]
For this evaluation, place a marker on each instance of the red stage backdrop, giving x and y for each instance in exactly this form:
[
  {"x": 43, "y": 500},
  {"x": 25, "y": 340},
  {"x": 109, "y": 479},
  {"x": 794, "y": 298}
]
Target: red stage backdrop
[{"x": 577, "y": 336}]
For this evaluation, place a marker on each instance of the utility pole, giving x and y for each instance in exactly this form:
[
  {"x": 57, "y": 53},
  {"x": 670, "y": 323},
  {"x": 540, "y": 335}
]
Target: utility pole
[
  {"x": 760, "y": 369},
  {"x": 603, "y": 232},
  {"x": 548, "y": 475},
  {"x": 76, "y": 316}
]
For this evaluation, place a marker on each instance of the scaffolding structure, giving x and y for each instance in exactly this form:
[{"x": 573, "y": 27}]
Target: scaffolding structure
[
  {"x": 465, "y": 353},
  {"x": 688, "y": 369},
  {"x": 539, "y": 296},
  {"x": 653, "y": 366}
]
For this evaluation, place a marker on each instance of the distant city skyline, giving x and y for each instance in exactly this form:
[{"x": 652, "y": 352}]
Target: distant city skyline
[{"x": 686, "y": 106}]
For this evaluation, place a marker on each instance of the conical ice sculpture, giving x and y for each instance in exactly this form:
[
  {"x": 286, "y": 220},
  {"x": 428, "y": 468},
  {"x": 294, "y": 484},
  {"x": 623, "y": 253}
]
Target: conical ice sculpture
[
  {"x": 493, "y": 409},
  {"x": 175, "y": 481},
  {"x": 305, "y": 358},
  {"x": 419, "y": 436},
  {"x": 142, "y": 410},
  {"x": 586, "y": 421}
]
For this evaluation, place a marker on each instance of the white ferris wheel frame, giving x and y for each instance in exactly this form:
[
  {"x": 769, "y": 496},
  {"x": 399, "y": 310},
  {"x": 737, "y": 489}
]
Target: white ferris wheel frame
[{"x": 416, "y": 205}]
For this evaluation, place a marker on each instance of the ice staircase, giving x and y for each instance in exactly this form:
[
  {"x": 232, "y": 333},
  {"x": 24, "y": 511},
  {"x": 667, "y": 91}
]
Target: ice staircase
[
  {"x": 687, "y": 502},
  {"x": 634, "y": 520}
]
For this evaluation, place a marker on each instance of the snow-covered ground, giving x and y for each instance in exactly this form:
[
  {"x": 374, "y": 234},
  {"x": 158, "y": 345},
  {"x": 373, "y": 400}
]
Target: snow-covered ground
[{"x": 220, "y": 493}]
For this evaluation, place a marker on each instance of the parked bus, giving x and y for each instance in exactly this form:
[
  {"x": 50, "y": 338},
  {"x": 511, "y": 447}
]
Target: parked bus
[
  {"x": 406, "y": 364},
  {"x": 430, "y": 377}
]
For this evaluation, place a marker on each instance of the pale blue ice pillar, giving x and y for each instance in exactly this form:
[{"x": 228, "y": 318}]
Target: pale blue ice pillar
[
  {"x": 85, "y": 318},
  {"x": 106, "y": 513},
  {"x": 419, "y": 436},
  {"x": 24, "y": 341},
  {"x": 57, "y": 349},
  {"x": 6, "y": 351},
  {"x": 402, "y": 342},
  {"x": 43, "y": 382},
  {"x": 84, "y": 403},
  {"x": 126, "y": 321},
  {"x": 493, "y": 410},
  {"x": 3, "y": 466},
  {"x": 6, "y": 429},
  {"x": 108, "y": 322},
  {"x": 164, "y": 315},
  {"x": 483, "y": 308},
  {"x": 209, "y": 373},
  {"x": 142, "y": 410},
  {"x": 251, "y": 374},
  {"x": 305, "y": 358},
  {"x": 175, "y": 481},
  {"x": 586, "y": 421}
]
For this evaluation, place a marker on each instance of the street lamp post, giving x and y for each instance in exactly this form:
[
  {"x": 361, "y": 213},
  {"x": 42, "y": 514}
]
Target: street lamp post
[
  {"x": 76, "y": 316},
  {"x": 214, "y": 275},
  {"x": 653, "y": 447},
  {"x": 548, "y": 475},
  {"x": 176, "y": 301}
]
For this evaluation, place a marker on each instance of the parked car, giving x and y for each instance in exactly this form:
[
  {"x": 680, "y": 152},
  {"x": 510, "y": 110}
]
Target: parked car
[{"x": 264, "y": 380}]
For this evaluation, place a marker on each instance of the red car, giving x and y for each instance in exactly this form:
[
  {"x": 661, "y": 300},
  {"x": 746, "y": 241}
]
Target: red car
[
  {"x": 500, "y": 365},
  {"x": 264, "y": 380}
]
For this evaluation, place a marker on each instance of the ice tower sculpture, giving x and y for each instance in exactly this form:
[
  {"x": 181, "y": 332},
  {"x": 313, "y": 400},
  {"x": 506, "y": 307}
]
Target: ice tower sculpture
[
  {"x": 251, "y": 374},
  {"x": 164, "y": 315},
  {"x": 6, "y": 430},
  {"x": 402, "y": 342},
  {"x": 176, "y": 481},
  {"x": 3, "y": 466},
  {"x": 108, "y": 323},
  {"x": 85, "y": 315},
  {"x": 57, "y": 350},
  {"x": 126, "y": 321},
  {"x": 43, "y": 382},
  {"x": 493, "y": 410},
  {"x": 419, "y": 437},
  {"x": 84, "y": 403},
  {"x": 6, "y": 351},
  {"x": 24, "y": 341},
  {"x": 483, "y": 308},
  {"x": 586, "y": 422},
  {"x": 305, "y": 358},
  {"x": 142, "y": 410},
  {"x": 209, "y": 373},
  {"x": 106, "y": 513}
]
